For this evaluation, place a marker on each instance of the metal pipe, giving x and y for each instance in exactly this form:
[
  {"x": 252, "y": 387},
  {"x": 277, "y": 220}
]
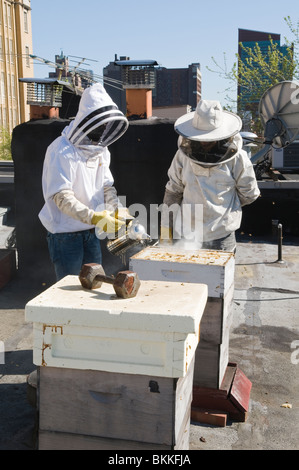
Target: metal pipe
[
  {"x": 261, "y": 154},
  {"x": 280, "y": 238}
]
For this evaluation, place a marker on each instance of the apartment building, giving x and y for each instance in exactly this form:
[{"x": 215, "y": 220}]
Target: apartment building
[
  {"x": 179, "y": 87},
  {"x": 15, "y": 62}
]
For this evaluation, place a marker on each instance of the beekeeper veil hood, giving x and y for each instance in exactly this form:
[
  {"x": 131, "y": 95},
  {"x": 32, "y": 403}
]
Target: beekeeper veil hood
[
  {"x": 98, "y": 121},
  {"x": 209, "y": 135}
]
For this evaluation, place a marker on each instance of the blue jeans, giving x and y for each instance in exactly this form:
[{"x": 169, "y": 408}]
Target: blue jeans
[
  {"x": 227, "y": 243},
  {"x": 69, "y": 251}
]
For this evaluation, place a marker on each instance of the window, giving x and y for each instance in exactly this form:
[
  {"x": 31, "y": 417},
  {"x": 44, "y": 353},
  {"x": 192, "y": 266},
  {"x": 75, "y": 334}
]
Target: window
[
  {"x": 3, "y": 94},
  {"x": 26, "y": 21},
  {"x": 15, "y": 117},
  {"x": 27, "y": 51},
  {"x": 9, "y": 16},
  {"x": 11, "y": 51},
  {"x": 10, "y": 119},
  {"x": 5, "y": 13},
  {"x": 9, "y": 84},
  {"x": 13, "y": 86}
]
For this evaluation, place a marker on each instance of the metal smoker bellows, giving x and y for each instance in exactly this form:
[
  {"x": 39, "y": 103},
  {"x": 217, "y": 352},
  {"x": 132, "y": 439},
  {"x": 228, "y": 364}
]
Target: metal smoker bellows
[{"x": 131, "y": 235}]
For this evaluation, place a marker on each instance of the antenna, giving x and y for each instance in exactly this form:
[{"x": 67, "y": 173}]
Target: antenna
[
  {"x": 76, "y": 57},
  {"x": 118, "y": 84}
]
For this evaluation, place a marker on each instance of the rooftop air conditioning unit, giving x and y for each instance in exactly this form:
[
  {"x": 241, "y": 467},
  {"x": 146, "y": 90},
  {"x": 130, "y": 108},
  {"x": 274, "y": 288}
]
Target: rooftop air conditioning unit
[{"x": 286, "y": 158}]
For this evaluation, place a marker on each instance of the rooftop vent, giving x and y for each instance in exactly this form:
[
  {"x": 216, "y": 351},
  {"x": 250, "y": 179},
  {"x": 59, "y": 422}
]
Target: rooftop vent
[
  {"x": 138, "y": 73},
  {"x": 44, "y": 96},
  {"x": 138, "y": 78}
]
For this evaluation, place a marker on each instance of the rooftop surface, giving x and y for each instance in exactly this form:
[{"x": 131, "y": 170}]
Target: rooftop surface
[{"x": 264, "y": 342}]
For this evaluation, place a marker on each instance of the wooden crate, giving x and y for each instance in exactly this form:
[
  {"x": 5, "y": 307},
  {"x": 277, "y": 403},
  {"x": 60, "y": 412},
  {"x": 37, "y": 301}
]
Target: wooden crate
[{"x": 102, "y": 410}]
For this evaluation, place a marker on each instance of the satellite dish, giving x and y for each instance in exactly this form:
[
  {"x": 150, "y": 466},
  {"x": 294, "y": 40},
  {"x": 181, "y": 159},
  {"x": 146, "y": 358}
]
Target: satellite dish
[
  {"x": 279, "y": 109},
  {"x": 279, "y": 113}
]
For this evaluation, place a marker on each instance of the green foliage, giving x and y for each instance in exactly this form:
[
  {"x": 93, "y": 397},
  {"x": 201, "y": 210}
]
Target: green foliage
[
  {"x": 5, "y": 144},
  {"x": 294, "y": 29},
  {"x": 258, "y": 70}
]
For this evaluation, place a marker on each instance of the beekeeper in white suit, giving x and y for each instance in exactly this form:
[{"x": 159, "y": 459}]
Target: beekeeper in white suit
[
  {"x": 78, "y": 185},
  {"x": 212, "y": 173}
]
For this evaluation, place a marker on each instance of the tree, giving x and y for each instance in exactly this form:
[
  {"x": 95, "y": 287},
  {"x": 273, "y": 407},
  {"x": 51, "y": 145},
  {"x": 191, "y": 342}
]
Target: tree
[
  {"x": 258, "y": 70},
  {"x": 5, "y": 144}
]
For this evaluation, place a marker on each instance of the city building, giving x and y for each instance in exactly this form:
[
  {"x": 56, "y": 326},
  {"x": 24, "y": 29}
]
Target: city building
[
  {"x": 15, "y": 61},
  {"x": 175, "y": 89},
  {"x": 78, "y": 77},
  {"x": 249, "y": 39},
  {"x": 112, "y": 74}
]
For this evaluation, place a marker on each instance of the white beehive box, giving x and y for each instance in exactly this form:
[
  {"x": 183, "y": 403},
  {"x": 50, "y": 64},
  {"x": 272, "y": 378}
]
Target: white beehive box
[
  {"x": 214, "y": 268},
  {"x": 154, "y": 333}
]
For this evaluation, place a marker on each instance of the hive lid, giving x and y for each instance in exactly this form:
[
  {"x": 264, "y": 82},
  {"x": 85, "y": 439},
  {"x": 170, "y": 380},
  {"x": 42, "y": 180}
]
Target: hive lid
[{"x": 159, "y": 306}]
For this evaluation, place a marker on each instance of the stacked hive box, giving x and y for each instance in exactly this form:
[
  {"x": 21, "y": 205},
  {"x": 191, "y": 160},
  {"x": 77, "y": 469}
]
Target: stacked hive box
[
  {"x": 214, "y": 268},
  {"x": 115, "y": 373}
]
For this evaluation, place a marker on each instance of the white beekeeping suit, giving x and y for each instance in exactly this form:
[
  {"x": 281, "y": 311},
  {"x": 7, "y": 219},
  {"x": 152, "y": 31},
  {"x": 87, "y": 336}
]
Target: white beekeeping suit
[
  {"x": 210, "y": 170},
  {"x": 77, "y": 180},
  {"x": 78, "y": 186}
]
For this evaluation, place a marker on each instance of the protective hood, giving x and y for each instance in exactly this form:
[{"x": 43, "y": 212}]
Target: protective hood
[
  {"x": 211, "y": 154},
  {"x": 98, "y": 122},
  {"x": 208, "y": 123}
]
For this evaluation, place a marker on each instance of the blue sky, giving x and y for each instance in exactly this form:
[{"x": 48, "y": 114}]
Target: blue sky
[{"x": 174, "y": 33}]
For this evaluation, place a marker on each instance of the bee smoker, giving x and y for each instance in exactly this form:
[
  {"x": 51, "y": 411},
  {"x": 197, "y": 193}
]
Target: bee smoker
[{"x": 132, "y": 234}]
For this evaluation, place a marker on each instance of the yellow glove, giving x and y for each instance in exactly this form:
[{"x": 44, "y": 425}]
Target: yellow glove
[
  {"x": 123, "y": 213},
  {"x": 166, "y": 235},
  {"x": 106, "y": 222}
]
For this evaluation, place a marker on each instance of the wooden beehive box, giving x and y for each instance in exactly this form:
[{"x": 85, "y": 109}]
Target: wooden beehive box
[
  {"x": 214, "y": 268},
  {"x": 115, "y": 373},
  {"x": 94, "y": 410},
  {"x": 156, "y": 332}
]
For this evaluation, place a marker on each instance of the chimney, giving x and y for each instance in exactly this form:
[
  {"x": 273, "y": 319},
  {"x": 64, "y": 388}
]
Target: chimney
[{"x": 138, "y": 77}]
